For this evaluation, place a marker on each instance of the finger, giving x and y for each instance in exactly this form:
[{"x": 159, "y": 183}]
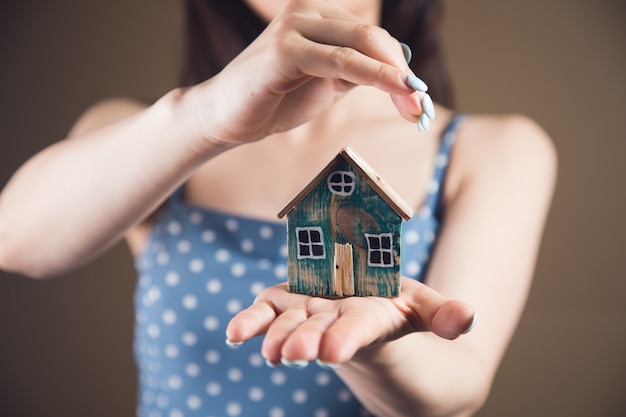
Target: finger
[
  {"x": 251, "y": 322},
  {"x": 426, "y": 309},
  {"x": 348, "y": 64},
  {"x": 370, "y": 40},
  {"x": 304, "y": 341},
  {"x": 256, "y": 319},
  {"x": 409, "y": 106},
  {"x": 350, "y": 332},
  {"x": 279, "y": 331},
  {"x": 453, "y": 319}
]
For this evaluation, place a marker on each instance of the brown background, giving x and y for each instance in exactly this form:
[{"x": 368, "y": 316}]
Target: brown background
[{"x": 65, "y": 344}]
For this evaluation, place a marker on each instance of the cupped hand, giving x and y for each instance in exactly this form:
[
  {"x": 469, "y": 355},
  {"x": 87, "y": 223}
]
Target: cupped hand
[
  {"x": 308, "y": 57},
  {"x": 300, "y": 328}
]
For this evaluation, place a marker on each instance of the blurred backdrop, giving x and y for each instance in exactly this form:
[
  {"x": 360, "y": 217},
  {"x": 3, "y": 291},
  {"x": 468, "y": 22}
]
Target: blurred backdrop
[{"x": 66, "y": 344}]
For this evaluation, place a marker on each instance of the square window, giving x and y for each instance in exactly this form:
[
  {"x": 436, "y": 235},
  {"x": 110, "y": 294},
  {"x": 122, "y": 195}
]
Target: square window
[
  {"x": 310, "y": 241},
  {"x": 380, "y": 250}
]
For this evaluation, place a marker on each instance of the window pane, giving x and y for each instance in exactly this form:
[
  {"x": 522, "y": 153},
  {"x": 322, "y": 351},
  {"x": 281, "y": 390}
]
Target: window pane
[
  {"x": 336, "y": 178},
  {"x": 386, "y": 242},
  {"x": 387, "y": 258},
  {"x": 303, "y": 236},
  {"x": 304, "y": 250},
  {"x": 375, "y": 257},
  {"x": 374, "y": 242},
  {"x": 318, "y": 250},
  {"x": 315, "y": 236}
]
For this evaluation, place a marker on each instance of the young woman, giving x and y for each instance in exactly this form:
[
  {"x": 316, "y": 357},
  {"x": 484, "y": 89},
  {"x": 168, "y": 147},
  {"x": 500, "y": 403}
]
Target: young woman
[{"x": 194, "y": 182}]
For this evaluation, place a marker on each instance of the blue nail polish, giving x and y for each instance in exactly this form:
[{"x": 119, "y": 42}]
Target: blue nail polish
[
  {"x": 272, "y": 364},
  {"x": 424, "y": 122},
  {"x": 326, "y": 365},
  {"x": 294, "y": 364},
  {"x": 416, "y": 83},
  {"x": 471, "y": 326},
  {"x": 233, "y": 344},
  {"x": 406, "y": 50},
  {"x": 428, "y": 106}
]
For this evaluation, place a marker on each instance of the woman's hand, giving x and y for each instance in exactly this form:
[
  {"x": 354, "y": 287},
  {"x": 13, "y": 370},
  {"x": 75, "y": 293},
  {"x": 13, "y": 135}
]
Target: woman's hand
[
  {"x": 299, "y": 328},
  {"x": 308, "y": 57}
]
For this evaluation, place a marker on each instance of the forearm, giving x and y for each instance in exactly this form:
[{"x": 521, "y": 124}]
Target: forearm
[
  {"x": 78, "y": 197},
  {"x": 418, "y": 375}
]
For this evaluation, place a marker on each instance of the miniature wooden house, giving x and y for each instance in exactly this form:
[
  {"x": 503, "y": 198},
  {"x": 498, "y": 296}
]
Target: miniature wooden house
[{"x": 344, "y": 232}]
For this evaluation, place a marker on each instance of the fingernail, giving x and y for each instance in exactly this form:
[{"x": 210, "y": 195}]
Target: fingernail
[
  {"x": 272, "y": 364},
  {"x": 416, "y": 83},
  {"x": 424, "y": 123},
  {"x": 406, "y": 50},
  {"x": 428, "y": 106},
  {"x": 471, "y": 326},
  {"x": 233, "y": 344},
  {"x": 326, "y": 365},
  {"x": 294, "y": 364}
]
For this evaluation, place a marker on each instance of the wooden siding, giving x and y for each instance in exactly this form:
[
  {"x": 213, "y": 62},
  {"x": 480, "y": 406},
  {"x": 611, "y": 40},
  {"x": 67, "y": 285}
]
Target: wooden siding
[{"x": 343, "y": 219}]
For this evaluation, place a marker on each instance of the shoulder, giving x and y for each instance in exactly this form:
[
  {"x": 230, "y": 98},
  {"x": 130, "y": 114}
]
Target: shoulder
[
  {"x": 105, "y": 112},
  {"x": 502, "y": 152}
]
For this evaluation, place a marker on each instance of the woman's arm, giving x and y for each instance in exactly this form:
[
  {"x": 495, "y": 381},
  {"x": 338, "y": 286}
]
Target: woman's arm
[
  {"x": 78, "y": 197},
  {"x": 485, "y": 257},
  {"x": 498, "y": 192}
]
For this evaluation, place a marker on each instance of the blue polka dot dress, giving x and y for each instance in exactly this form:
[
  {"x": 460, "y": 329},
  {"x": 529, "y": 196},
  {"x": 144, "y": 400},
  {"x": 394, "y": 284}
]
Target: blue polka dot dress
[{"x": 199, "y": 268}]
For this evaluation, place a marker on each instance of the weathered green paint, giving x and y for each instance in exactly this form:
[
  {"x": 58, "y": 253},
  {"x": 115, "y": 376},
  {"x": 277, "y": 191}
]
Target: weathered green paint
[{"x": 344, "y": 219}]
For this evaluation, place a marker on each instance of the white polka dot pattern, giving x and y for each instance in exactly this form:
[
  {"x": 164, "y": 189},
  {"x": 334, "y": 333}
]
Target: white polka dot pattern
[{"x": 199, "y": 269}]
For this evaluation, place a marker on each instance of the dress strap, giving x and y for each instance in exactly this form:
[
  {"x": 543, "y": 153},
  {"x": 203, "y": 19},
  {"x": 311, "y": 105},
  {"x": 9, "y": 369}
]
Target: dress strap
[
  {"x": 432, "y": 203},
  {"x": 175, "y": 200}
]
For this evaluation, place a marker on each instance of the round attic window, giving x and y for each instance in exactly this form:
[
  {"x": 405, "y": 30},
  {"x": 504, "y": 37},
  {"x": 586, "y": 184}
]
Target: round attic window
[{"x": 341, "y": 183}]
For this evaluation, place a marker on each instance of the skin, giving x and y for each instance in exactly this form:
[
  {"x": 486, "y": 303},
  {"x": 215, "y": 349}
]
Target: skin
[{"x": 320, "y": 77}]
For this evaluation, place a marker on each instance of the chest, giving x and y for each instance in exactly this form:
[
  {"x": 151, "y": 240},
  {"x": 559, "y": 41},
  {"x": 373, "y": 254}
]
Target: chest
[{"x": 257, "y": 180}]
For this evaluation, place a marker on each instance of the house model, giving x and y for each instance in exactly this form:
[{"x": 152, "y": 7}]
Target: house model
[{"x": 344, "y": 232}]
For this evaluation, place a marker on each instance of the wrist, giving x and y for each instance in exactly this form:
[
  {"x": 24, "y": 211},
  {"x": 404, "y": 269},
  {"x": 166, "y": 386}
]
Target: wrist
[{"x": 182, "y": 107}]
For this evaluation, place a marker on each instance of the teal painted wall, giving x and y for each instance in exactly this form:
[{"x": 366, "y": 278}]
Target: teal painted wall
[{"x": 344, "y": 219}]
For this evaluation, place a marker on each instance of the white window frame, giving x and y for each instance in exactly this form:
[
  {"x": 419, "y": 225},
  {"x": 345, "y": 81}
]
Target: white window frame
[
  {"x": 310, "y": 244},
  {"x": 380, "y": 249},
  {"x": 342, "y": 184}
]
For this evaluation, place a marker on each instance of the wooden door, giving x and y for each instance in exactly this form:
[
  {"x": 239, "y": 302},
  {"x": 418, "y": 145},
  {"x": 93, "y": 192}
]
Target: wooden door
[{"x": 343, "y": 277}]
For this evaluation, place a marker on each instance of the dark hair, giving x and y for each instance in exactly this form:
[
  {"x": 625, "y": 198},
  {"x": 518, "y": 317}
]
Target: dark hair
[{"x": 218, "y": 30}]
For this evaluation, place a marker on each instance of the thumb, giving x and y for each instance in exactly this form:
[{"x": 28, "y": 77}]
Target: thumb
[{"x": 426, "y": 309}]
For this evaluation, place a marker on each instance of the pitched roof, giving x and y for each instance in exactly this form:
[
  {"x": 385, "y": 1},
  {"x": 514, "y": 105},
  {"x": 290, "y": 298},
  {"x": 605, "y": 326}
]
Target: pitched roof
[{"x": 371, "y": 177}]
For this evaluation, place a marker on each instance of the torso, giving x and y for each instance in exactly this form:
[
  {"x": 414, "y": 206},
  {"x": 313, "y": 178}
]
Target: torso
[
  {"x": 258, "y": 179},
  {"x": 203, "y": 264}
]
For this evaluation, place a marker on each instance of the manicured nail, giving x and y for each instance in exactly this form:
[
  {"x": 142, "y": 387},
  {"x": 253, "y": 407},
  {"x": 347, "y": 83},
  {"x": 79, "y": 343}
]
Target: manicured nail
[
  {"x": 416, "y": 83},
  {"x": 471, "y": 326},
  {"x": 428, "y": 106},
  {"x": 294, "y": 364},
  {"x": 424, "y": 122},
  {"x": 233, "y": 344},
  {"x": 272, "y": 364},
  {"x": 326, "y": 365},
  {"x": 406, "y": 49}
]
